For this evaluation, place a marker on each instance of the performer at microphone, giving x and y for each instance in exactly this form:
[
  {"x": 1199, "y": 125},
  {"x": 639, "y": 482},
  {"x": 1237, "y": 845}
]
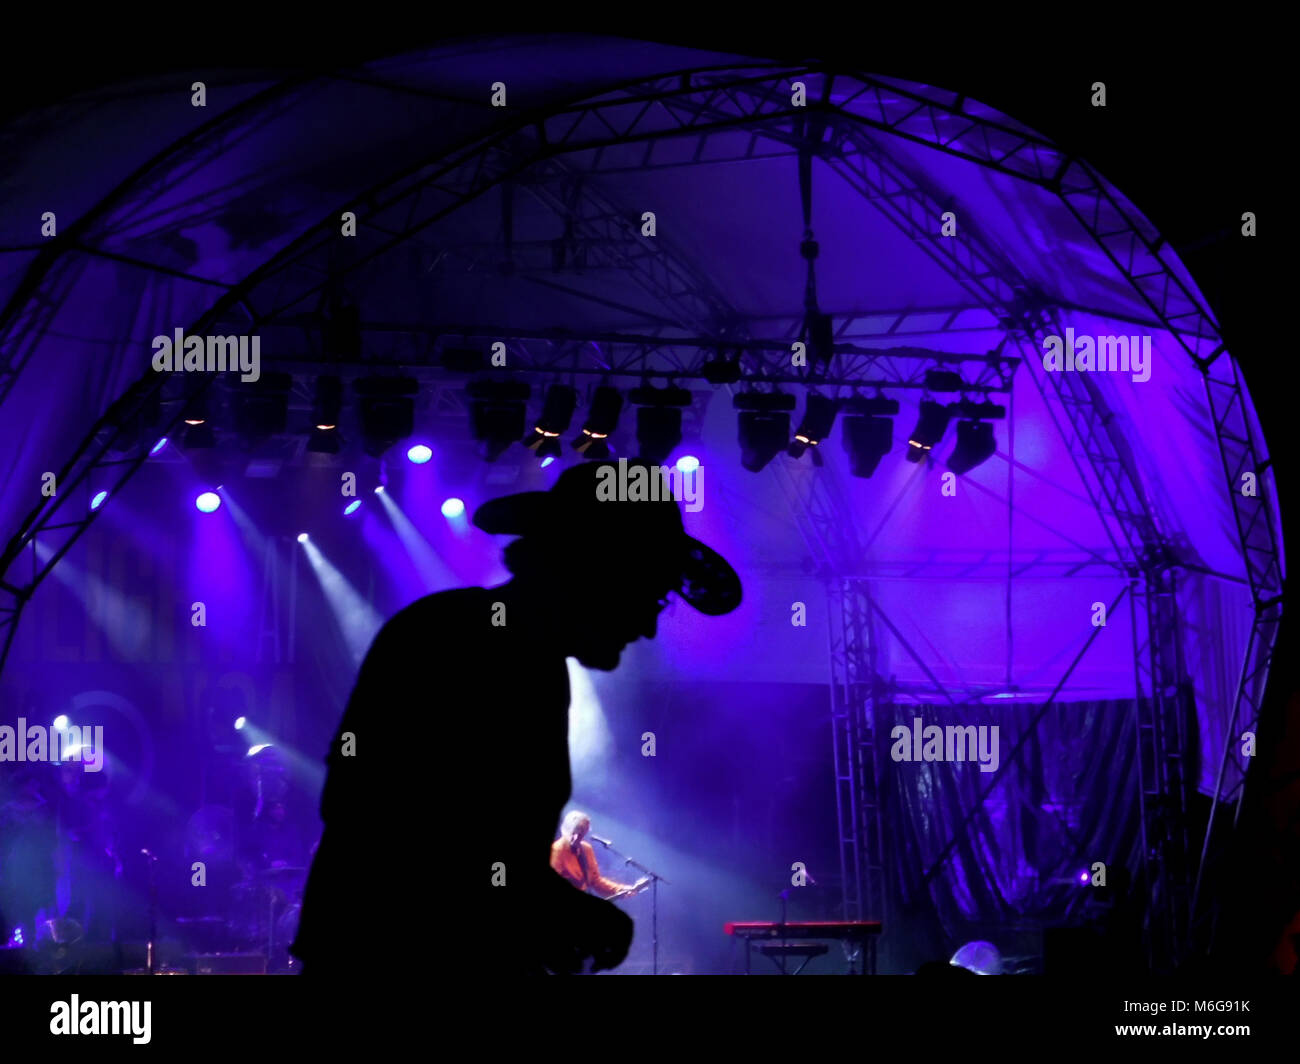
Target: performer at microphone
[{"x": 575, "y": 860}]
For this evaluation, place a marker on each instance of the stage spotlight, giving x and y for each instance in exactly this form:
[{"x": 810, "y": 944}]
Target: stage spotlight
[
  {"x": 262, "y": 408},
  {"x": 658, "y": 421},
  {"x": 326, "y": 408},
  {"x": 762, "y": 438},
  {"x": 688, "y": 463},
  {"x": 61, "y": 722},
  {"x": 419, "y": 454},
  {"x": 818, "y": 418},
  {"x": 158, "y": 446},
  {"x": 196, "y": 410},
  {"x": 207, "y": 502},
  {"x": 387, "y": 411},
  {"x": 379, "y": 489},
  {"x": 658, "y": 432},
  {"x": 497, "y": 414},
  {"x": 302, "y": 537},
  {"x": 328, "y": 403},
  {"x": 930, "y": 427},
  {"x": 557, "y": 412},
  {"x": 351, "y": 507},
  {"x": 602, "y": 420},
  {"x": 867, "y": 440},
  {"x": 975, "y": 444},
  {"x": 547, "y": 461},
  {"x": 253, "y": 751},
  {"x": 240, "y": 722},
  {"x": 764, "y": 426},
  {"x": 200, "y": 433},
  {"x": 544, "y": 444},
  {"x": 453, "y": 508},
  {"x": 98, "y": 500}
]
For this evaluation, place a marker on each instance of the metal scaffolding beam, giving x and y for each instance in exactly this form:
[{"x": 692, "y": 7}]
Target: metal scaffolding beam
[{"x": 646, "y": 123}]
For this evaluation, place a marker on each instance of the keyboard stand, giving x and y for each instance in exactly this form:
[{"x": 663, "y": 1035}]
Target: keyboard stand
[{"x": 777, "y": 952}]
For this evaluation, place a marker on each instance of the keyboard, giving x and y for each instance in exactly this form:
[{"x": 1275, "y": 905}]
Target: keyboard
[{"x": 845, "y": 929}]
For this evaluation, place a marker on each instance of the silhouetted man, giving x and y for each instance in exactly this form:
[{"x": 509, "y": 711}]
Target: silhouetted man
[{"x": 478, "y": 675}]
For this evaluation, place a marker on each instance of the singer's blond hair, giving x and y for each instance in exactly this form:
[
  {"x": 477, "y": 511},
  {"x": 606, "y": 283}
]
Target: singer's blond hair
[{"x": 572, "y": 820}]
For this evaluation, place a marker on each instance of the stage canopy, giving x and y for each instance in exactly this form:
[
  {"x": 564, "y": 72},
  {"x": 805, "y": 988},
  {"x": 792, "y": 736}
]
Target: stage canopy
[
  {"x": 162, "y": 209},
  {"x": 638, "y": 214}
]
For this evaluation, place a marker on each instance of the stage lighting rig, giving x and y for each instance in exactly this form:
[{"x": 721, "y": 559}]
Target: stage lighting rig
[
  {"x": 975, "y": 441},
  {"x": 557, "y": 411},
  {"x": 262, "y": 408},
  {"x": 199, "y": 433},
  {"x": 818, "y": 418},
  {"x": 387, "y": 411},
  {"x": 658, "y": 421},
  {"x": 764, "y": 426},
  {"x": 498, "y": 414},
  {"x": 196, "y": 410},
  {"x": 328, "y": 404},
  {"x": 326, "y": 408},
  {"x": 975, "y": 444},
  {"x": 867, "y": 432},
  {"x": 931, "y": 424},
  {"x": 602, "y": 420}
]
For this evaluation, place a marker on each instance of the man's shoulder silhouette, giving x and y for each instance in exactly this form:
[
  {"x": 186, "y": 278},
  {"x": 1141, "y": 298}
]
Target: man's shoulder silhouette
[
  {"x": 449, "y": 615},
  {"x": 457, "y": 663},
  {"x": 418, "y": 672}
]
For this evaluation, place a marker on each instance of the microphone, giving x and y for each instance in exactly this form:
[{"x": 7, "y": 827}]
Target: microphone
[{"x": 603, "y": 842}]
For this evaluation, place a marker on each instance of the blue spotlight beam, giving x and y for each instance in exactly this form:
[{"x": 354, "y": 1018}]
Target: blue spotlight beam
[
  {"x": 357, "y": 619},
  {"x": 427, "y": 563}
]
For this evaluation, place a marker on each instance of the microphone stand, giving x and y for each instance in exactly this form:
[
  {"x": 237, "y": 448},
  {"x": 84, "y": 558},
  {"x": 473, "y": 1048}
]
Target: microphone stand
[
  {"x": 655, "y": 879},
  {"x": 785, "y": 896},
  {"x": 151, "y": 960}
]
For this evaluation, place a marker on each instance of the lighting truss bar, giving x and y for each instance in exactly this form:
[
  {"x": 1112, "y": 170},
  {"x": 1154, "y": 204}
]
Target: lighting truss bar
[{"x": 683, "y": 358}]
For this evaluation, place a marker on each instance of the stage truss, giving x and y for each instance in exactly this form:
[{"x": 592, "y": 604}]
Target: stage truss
[{"x": 738, "y": 114}]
